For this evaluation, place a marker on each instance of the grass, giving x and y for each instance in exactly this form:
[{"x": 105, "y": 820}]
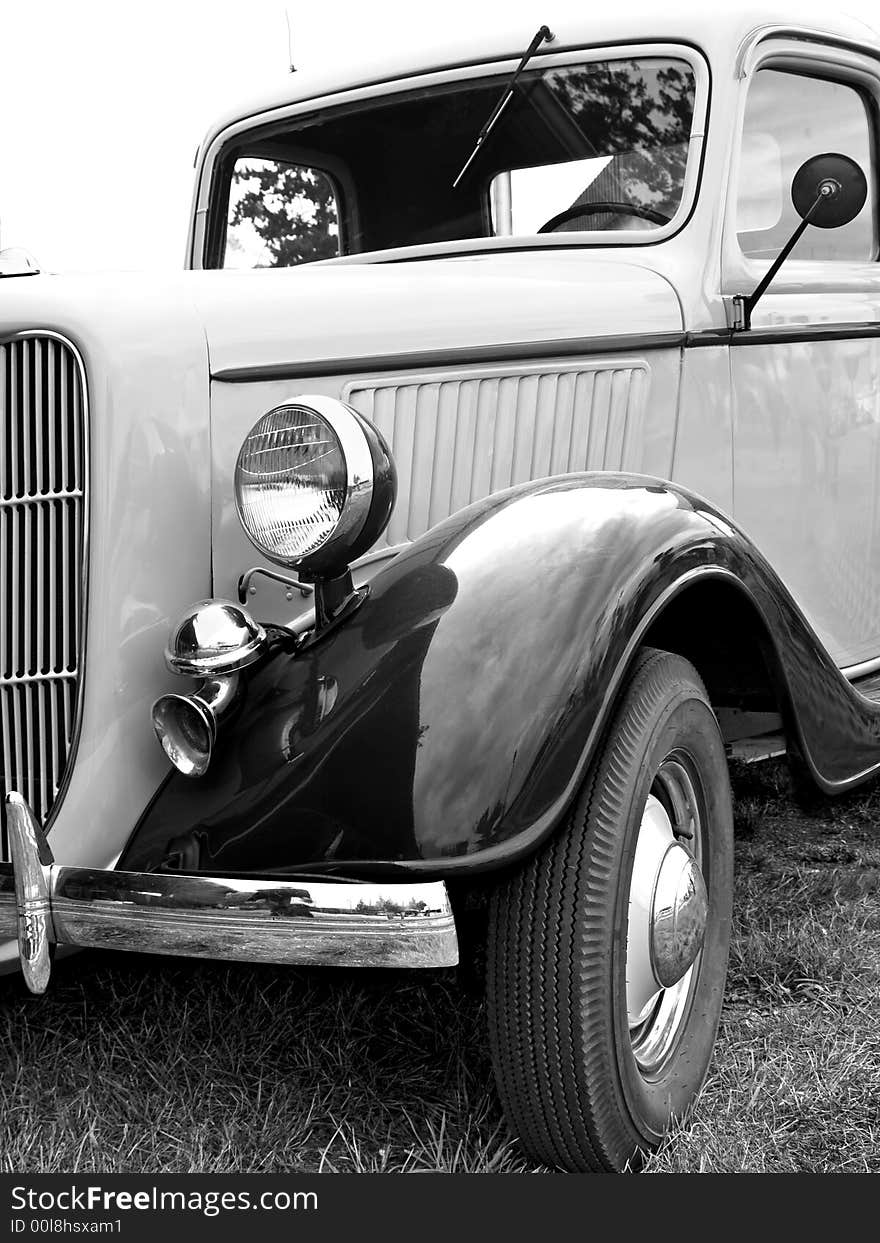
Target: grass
[
  {"x": 142, "y": 1064},
  {"x": 795, "y": 1082}
]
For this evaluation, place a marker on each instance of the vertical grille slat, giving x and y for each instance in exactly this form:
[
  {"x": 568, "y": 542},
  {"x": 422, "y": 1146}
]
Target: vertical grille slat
[
  {"x": 18, "y": 767},
  {"x": 15, "y": 401},
  {"x": 43, "y": 480},
  {"x": 14, "y": 604}
]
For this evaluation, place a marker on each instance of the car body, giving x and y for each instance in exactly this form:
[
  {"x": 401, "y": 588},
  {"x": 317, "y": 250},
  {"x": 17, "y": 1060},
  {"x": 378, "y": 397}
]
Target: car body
[{"x": 595, "y": 456}]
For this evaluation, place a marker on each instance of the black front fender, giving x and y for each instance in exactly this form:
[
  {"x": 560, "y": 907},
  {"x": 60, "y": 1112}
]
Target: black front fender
[{"x": 448, "y": 723}]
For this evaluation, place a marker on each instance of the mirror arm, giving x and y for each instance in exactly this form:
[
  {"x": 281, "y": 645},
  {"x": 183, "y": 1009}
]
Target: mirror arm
[{"x": 746, "y": 303}]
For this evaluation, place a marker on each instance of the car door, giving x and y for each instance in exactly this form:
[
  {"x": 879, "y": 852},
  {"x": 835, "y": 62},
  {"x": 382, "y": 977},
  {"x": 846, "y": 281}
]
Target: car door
[{"x": 806, "y": 376}]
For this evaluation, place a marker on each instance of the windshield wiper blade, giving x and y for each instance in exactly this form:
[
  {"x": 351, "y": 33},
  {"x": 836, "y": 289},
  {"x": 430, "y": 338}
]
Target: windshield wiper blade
[{"x": 544, "y": 35}]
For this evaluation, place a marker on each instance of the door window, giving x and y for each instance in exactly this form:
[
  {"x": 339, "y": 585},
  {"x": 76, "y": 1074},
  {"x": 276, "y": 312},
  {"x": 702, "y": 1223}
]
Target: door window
[{"x": 788, "y": 119}]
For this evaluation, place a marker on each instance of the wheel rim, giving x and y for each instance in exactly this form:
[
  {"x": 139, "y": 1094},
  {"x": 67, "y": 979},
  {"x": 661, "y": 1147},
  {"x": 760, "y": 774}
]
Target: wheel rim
[{"x": 667, "y": 915}]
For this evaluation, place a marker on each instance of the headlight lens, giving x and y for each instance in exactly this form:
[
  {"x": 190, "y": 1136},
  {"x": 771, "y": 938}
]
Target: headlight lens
[
  {"x": 314, "y": 484},
  {"x": 291, "y": 483}
]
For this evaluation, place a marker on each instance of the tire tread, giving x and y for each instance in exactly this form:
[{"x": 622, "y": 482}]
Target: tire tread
[{"x": 548, "y": 976}]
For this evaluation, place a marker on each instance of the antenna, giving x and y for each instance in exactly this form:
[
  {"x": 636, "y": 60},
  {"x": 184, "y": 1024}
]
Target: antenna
[{"x": 289, "y": 41}]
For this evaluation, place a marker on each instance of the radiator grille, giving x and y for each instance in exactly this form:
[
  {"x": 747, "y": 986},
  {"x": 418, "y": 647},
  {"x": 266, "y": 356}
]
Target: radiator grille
[
  {"x": 456, "y": 440},
  {"x": 43, "y": 465}
]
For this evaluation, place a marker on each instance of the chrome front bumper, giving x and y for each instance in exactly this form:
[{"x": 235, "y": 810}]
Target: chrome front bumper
[{"x": 302, "y": 922}]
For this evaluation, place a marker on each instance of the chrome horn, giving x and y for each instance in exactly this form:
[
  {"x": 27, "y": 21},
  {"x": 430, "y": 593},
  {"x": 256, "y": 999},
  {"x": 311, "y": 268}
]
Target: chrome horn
[{"x": 213, "y": 640}]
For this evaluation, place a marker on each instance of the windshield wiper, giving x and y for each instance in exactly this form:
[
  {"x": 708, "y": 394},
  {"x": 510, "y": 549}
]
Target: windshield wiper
[{"x": 544, "y": 35}]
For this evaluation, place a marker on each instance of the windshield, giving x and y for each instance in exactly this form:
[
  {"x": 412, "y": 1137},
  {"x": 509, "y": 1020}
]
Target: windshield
[{"x": 580, "y": 148}]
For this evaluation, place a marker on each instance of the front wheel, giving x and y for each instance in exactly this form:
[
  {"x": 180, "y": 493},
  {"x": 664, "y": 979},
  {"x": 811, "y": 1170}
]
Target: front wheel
[{"x": 608, "y": 949}]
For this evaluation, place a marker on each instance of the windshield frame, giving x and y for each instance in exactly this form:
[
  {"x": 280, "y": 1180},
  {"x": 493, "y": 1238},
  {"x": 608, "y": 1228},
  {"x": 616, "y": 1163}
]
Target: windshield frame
[{"x": 211, "y": 198}]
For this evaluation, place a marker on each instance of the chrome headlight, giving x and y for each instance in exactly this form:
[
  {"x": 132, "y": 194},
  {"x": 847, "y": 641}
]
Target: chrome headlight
[{"x": 315, "y": 484}]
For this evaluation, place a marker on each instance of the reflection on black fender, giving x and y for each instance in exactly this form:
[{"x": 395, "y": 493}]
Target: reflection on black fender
[{"x": 469, "y": 691}]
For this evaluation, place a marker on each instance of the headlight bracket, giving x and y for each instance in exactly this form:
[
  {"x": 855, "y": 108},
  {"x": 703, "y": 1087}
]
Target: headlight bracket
[{"x": 335, "y": 600}]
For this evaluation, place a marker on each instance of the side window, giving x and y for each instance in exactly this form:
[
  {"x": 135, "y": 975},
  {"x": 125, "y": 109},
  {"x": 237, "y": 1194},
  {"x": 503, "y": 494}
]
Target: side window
[
  {"x": 788, "y": 119},
  {"x": 280, "y": 215}
]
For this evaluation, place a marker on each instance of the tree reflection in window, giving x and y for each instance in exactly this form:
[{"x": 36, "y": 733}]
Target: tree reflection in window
[
  {"x": 280, "y": 215},
  {"x": 639, "y": 113}
]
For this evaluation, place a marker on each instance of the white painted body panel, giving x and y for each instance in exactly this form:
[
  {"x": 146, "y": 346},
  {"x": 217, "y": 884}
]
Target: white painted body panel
[
  {"x": 337, "y": 312},
  {"x": 807, "y": 465},
  {"x": 149, "y": 523}
]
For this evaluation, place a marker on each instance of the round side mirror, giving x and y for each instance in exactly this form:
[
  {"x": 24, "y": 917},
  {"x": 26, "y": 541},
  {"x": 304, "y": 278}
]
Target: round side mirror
[{"x": 839, "y": 185}]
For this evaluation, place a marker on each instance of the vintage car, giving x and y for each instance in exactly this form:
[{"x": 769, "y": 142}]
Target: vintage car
[{"x": 547, "y": 480}]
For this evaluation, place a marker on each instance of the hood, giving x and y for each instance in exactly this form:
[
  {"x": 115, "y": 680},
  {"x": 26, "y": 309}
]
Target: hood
[
  {"x": 342, "y": 317},
  {"x": 339, "y": 316}
]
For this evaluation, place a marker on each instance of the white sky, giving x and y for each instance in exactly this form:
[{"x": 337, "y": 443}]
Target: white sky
[{"x": 102, "y": 104}]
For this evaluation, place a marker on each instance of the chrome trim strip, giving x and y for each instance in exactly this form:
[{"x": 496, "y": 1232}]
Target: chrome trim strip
[
  {"x": 566, "y": 347},
  {"x": 517, "y": 351},
  {"x": 853, "y": 672},
  {"x": 804, "y": 34},
  {"x": 290, "y": 921},
  {"x": 83, "y": 493},
  {"x": 793, "y": 334}
]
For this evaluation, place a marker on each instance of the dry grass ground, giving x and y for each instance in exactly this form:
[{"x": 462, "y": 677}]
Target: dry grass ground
[{"x": 139, "y": 1064}]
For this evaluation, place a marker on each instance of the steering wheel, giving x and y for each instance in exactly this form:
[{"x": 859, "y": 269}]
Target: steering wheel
[{"x": 593, "y": 209}]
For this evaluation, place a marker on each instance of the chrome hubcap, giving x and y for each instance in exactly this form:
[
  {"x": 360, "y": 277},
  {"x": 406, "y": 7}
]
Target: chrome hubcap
[
  {"x": 667, "y": 916},
  {"x": 678, "y": 915}
]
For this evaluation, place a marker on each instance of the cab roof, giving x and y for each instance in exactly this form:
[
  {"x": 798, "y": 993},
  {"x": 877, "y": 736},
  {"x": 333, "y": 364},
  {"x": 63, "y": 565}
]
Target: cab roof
[{"x": 717, "y": 31}]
